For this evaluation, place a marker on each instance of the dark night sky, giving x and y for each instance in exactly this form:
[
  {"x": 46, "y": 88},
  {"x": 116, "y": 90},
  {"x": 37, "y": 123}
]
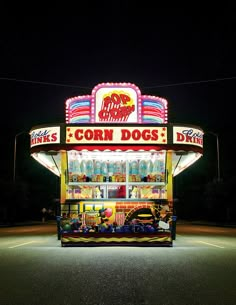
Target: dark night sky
[{"x": 45, "y": 60}]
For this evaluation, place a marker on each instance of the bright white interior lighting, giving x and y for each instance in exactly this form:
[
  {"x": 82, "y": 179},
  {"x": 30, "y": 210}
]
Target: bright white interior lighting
[{"x": 47, "y": 161}]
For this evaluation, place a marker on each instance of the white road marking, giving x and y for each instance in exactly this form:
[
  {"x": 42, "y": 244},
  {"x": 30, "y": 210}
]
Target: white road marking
[
  {"x": 203, "y": 242},
  {"x": 29, "y": 242}
]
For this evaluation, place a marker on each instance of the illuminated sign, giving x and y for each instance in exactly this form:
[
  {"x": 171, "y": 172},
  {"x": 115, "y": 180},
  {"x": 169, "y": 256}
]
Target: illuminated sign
[
  {"x": 187, "y": 135},
  {"x": 116, "y": 103},
  {"x": 42, "y": 136},
  {"x": 124, "y": 135}
]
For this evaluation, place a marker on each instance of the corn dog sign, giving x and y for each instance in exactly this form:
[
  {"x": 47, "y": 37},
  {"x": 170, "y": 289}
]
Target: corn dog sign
[{"x": 124, "y": 135}]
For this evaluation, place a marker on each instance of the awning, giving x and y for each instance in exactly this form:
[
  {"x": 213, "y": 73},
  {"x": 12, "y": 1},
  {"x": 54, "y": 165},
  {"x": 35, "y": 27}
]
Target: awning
[{"x": 118, "y": 147}]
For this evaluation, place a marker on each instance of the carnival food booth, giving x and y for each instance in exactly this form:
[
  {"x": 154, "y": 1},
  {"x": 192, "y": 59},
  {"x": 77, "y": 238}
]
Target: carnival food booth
[{"x": 116, "y": 156}]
